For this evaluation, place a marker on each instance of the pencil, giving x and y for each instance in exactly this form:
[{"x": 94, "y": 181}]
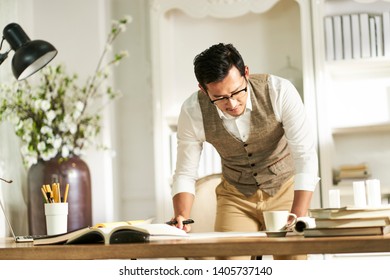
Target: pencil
[
  {"x": 66, "y": 193},
  {"x": 44, "y": 195},
  {"x": 53, "y": 189},
  {"x": 58, "y": 193}
]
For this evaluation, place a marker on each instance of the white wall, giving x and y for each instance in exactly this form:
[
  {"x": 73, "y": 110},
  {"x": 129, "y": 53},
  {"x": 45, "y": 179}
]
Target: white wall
[
  {"x": 78, "y": 30},
  {"x": 134, "y": 116}
]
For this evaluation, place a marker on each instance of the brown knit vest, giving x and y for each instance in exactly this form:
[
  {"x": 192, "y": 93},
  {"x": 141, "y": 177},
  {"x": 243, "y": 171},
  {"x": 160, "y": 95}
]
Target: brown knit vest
[{"x": 264, "y": 160}]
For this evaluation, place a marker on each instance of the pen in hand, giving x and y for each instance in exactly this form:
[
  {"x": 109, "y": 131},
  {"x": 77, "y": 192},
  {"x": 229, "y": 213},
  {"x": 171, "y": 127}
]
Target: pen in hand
[{"x": 185, "y": 222}]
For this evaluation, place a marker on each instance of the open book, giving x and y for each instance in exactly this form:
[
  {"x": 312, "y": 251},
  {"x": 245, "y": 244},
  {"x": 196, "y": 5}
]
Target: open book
[{"x": 114, "y": 233}]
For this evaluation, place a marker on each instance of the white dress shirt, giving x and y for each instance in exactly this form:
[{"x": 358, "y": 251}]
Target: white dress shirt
[{"x": 288, "y": 109}]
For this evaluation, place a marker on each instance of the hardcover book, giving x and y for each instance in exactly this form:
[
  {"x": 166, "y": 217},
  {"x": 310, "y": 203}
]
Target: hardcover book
[
  {"x": 347, "y": 231},
  {"x": 347, "y": 36},
  {"x": 358, "y": 222},
  {"x": 379, "y": 34},
  {"x": 114, "y": 235},
  {"x": 350, "y": 212},
  {"x": 338, "y": 38},
  {"x": 355, "y": 27},
  {"x": 365, "y": 35}
]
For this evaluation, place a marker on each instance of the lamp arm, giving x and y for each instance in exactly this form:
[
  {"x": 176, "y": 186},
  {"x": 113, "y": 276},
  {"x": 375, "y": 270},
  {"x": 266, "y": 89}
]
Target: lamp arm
[
  {"x": 7, "y": 181},
  {"x": 3, "y": 56}
]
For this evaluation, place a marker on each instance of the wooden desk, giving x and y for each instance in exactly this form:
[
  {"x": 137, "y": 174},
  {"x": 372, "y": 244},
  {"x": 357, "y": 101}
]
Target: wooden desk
[{"x": 198, "y": 248}]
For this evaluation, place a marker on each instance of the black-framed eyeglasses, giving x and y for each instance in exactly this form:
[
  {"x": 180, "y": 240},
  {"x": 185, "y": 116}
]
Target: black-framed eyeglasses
[{"x": 235, "y": 95}]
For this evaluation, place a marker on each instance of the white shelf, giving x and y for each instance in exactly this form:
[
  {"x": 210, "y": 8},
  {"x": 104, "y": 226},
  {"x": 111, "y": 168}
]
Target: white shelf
[
  {"x": 375, "y": 128},
  {"x": 378, "y": 67}
]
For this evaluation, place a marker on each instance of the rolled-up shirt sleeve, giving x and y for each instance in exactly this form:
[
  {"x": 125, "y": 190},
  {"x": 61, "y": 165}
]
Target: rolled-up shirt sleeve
[
  {"x": 190, "y": 138},
  {"x": 290, "y": 111}
]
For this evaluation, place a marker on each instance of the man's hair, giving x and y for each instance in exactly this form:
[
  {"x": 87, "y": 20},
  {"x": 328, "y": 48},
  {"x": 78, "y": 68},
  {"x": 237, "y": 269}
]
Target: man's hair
[{"x": 213, "y": 64}]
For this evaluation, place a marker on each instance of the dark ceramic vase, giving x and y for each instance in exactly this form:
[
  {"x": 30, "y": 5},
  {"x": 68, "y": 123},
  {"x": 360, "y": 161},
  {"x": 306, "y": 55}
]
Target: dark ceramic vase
[{"x": 73, "y": 171}]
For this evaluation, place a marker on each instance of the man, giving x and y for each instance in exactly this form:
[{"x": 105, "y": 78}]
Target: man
[{"x": 258, "y": 125}]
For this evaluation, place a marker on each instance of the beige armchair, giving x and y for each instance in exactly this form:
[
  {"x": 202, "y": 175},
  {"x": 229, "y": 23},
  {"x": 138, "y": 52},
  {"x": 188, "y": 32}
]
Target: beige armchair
[{"x": 205, "y": 204}]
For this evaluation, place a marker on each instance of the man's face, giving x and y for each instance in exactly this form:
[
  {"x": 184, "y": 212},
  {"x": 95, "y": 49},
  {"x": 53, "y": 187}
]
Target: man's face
[{"x": 230, "y": 94}]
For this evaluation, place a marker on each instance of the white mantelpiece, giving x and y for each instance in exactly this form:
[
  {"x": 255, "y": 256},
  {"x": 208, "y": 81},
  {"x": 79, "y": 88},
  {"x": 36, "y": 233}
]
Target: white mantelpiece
[{"x": 212, "y": 8}]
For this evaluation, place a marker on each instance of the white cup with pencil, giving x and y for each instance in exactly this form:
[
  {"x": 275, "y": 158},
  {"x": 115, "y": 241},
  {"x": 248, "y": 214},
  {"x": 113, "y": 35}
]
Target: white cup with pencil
[{"x": 56, "y": 209}]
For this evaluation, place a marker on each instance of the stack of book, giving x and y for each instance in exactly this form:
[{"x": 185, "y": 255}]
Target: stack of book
[
  {"x": 349, "y": 221},
  {"x": 349, "y": 173}
]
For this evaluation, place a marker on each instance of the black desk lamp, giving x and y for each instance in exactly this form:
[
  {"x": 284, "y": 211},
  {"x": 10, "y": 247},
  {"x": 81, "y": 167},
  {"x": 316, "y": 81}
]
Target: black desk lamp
[{"x": 30, "y": 56}]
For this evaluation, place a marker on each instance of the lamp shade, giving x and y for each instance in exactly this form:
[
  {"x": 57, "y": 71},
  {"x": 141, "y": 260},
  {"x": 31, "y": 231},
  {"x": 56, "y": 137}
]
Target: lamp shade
[{"x": 30, "y": 56}]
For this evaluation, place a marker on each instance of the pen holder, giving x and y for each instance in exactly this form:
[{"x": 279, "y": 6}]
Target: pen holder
[{"x": 56, "y": 218}]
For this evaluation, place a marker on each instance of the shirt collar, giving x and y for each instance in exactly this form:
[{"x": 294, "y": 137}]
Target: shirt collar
[{"x": 248, "y": 107}]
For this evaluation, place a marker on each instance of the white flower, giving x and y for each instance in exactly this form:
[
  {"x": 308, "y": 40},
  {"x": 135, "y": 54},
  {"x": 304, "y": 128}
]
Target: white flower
[
  {"x": 24, "y": 149},
  {"x": 62, "y": 127},
  {"x": 37, "y": 104},
  {"x": 79, "y": 106},
  {"x": 67, "y": 118},
  {"x": 46, "y": 130},
  {"x": 30, "y": 160},
  {"x": 51, "y": 115},
  {"x": 65, "y": 151},
  {"x": 128, "y": 18},
  {"x": 19, "y": 125},
  {"x": 72, "y": 128},
  {"x": 26, "y": 137},
  {"x": 77, "y": 151},
  {"x": 45, "y": 105},
  {"x": 49, "y": 154},
  {"x": 122, "y": 27},
  {"x": 41, "y": 146},
  {"x": 57, "y": 143}
]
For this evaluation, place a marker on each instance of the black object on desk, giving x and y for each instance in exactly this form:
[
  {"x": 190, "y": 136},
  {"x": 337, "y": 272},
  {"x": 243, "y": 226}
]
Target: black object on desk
[{"x": 185, "y": 222}]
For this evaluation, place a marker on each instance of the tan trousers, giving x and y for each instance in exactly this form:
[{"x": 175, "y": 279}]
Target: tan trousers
[{"x": 236, "y": 212}]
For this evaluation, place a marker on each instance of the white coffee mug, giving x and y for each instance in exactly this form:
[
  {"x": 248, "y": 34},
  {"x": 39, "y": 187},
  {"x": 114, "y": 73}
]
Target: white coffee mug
[{"x": 278, "y": 220}]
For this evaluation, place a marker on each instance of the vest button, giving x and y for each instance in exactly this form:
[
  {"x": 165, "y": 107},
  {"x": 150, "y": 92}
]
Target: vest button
[
  {"x": 253, "y": 164},
  {"x": 255, "y": 174},
  {"x": 245, "y": 145},
  {"x": 249, "y": 155}
]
